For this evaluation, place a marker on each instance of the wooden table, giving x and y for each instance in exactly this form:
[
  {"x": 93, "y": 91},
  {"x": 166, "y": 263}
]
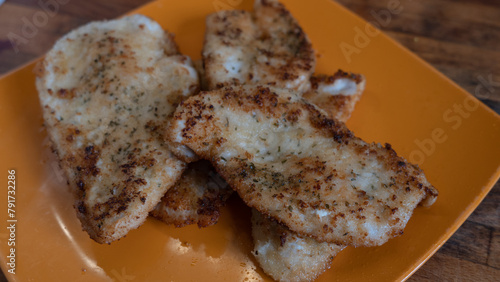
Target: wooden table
[{"x": 460, "y": 38}]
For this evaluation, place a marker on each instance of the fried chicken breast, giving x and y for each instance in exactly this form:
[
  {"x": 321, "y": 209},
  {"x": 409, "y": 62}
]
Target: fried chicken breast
[
  {"x": 106, "y": 90},
  {"x": 285, "y": 158},
  {"x": 267, "y": 47},
  {"x": 196, "y": 198},
  {"x": 336, "y": 94},
  {"x": 286, "y": 256},
  {"x": 282, "y": 253}
]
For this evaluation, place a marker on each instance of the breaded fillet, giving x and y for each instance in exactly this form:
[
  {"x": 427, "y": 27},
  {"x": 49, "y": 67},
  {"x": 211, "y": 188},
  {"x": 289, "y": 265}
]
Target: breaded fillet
[
  {"x": 199, "y": 194},
  {"x": 267, "y": 46},
  {"x": 107, "y": 89},
  {"x": 196, "y": 198},
  {"x": 285, "y": 256},
  {"x": 336, "y": 94},
  {"x": 285, "y": 158},
  {"x": 282, "y": 253}
]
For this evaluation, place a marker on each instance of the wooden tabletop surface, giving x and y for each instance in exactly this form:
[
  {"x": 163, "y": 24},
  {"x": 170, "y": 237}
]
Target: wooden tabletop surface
[{"x": 460, "y": 38}]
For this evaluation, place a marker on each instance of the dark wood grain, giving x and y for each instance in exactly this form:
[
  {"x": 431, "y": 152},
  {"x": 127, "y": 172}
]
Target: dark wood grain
[{"x": 460, "y": 38}]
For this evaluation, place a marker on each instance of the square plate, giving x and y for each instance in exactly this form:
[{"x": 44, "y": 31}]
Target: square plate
[{"x": 427, "y": 118}]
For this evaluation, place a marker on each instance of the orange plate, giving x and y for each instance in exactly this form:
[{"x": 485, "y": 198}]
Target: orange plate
[{"x": 426, "y": 117}]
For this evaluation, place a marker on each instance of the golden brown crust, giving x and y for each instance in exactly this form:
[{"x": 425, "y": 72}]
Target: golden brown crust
[
  {"x": 267, "y": 46},
  {"x": 288, "y": 160},
  {"x": 196, "y": 198},
  {"x": 107, "y": 90}
]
